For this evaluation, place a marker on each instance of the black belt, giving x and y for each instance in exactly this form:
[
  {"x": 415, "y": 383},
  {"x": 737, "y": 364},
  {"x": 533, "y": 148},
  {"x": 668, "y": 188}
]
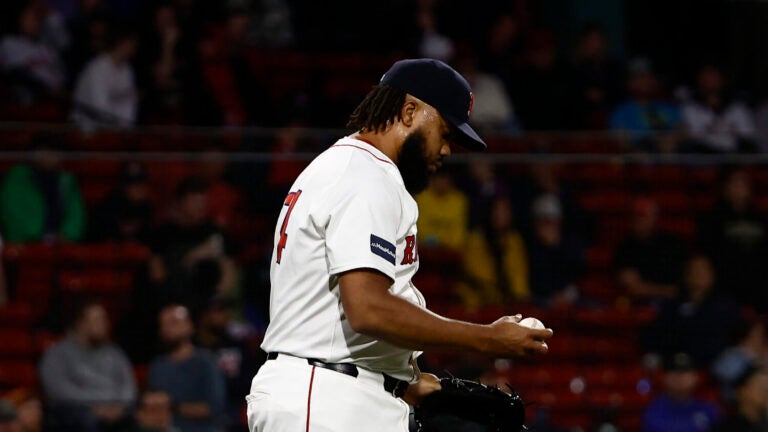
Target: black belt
[{"x": 391, "y": 384}]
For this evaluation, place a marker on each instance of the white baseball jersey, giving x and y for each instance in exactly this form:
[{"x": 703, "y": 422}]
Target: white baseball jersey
[{"x": 348, "y": 209}]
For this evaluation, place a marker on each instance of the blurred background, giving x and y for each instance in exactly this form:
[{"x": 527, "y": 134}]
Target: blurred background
[{"x": 146, "y": 148}]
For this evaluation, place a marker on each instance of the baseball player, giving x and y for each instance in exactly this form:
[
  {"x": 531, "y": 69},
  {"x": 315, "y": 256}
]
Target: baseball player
[{"x": 346, "y": 322}]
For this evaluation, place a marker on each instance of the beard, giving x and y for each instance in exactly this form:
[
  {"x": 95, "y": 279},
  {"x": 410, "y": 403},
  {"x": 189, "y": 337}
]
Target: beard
[{"x": 413, "y": 164}]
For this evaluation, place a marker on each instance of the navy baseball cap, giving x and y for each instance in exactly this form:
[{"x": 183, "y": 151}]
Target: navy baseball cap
[{"x": 440, "y": 86}]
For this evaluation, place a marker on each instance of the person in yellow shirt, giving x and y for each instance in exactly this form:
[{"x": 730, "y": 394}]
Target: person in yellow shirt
[
  {"x": 443, "y": 214},
  {"x": 495, "y": 263}
]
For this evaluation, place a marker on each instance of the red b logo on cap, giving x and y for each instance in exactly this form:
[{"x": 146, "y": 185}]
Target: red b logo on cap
[{"x": 471, "y": 103}]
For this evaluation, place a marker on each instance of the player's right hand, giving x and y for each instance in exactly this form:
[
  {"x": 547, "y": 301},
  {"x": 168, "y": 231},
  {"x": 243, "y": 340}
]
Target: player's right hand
[{"x": 509, "y": 339}]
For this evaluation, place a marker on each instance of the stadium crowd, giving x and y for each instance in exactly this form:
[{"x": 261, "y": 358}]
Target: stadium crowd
[{"x": 182, "y": 350}]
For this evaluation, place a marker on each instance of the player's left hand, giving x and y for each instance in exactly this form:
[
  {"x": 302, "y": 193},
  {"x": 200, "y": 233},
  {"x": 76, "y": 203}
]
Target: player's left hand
[{"x": 428, "y": 384}]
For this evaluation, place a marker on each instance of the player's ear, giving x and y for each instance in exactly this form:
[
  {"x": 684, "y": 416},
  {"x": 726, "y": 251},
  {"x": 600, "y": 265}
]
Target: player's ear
[{"x": 408, "y": 112}]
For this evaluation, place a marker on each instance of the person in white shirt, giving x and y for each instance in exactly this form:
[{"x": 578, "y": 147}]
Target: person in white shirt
[
  {"x": 493, "y": 110},
  {"x": 34, "y": 69},
  {"x": 346, "y": 322},
  {"x": 105, "y": 94},
  {"x": 714, "y": 122}
]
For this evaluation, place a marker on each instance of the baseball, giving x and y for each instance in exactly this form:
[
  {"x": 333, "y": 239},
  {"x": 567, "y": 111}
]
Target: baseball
[{"x": 531, "y": 322}]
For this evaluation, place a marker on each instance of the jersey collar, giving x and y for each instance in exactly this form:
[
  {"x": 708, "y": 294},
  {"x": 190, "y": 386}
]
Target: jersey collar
[
  {"x": 374, "y": 152},
  {"x": 366, "y": 146}
]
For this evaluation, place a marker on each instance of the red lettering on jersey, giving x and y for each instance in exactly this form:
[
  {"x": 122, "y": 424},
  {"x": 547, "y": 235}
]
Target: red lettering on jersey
[
  {"x": 290, "y": 201},
  {"x": 411, "y": 253}
]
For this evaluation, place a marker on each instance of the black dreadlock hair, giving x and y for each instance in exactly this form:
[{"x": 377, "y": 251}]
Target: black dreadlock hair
[{"x": 380, "y": 108}]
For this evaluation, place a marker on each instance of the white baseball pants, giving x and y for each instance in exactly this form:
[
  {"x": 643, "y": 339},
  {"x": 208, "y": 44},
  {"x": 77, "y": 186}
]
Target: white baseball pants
[{"x": 290, "y": 395}]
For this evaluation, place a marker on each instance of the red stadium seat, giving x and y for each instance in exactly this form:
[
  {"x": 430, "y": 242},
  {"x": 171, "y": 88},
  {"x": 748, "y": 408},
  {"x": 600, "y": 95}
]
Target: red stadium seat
[
  {"x": 673, "y": 201},
  {"x": 606, "y": 201},
  {"x": 18, "y": 374},
  {"x": 99, "y": 141},
  {"x": 16, "y": 139},
  {"x": 16, "y": 344},
  {"x": 140, "y": 372},
  {"x": 594, "y": 175},
  {"x": 599, "y": 257},
  {"x": 684, "y": 227},
  {"x": 554, "y": 377},
  {"x": 599, "y": 286},
  {"x": 97, "y": 281},
  {"x": 18, "y": 314},
  {"x": 578, "y": 421},
  {"x": 628, "y": 401},
  {"x": 612, "y": 320},
  {"x": 592, "y": 348},
  {"x": 36, "y": 253},
  {"x": 94, "y": 170},
  {"x": 662, "y": 176},
  {"x": 607, "y": 377},
  {"x": 113, "y": 255},
  {"x": 36, "y": 294},
  {"x": 92, "y": 193},
  {"x": 563, "y": 400}
]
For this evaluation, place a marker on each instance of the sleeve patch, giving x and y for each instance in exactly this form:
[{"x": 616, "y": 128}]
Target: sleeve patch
[{"x": 383, "y": 248}]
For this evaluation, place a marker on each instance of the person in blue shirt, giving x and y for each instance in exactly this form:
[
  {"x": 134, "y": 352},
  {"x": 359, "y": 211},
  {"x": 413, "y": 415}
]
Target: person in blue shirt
[
  {"x": 677, "y": 409},
  {"x": 188, "y": 374},
  {"x": 649, "y": 120}
]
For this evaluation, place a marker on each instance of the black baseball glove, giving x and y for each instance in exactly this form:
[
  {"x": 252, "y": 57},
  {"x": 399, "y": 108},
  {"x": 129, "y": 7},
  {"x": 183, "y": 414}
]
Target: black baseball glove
[{"x": 463, "y": 405}]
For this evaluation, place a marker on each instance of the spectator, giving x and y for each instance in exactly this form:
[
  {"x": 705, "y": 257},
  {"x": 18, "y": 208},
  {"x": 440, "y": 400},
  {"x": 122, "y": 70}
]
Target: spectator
[
  {"x": 282, "y": 171},
  {"x": 53, "y": 29},
  {"x": 105, "y": 94},
  {"x": 88, "y": 381},
  {"x": 90, "y": 29},
  {"x": 715, "y": 121},
  {"x": 266, "y": 183},
  {"x": 126, "y": 213},
  {"x": 597, "y": 78},
  {"x": 190, "y": 261},
  {"x": 539, "y": 89},
  {"x": 546, "y": 178},
  {"x": 649, "y": 261},
  {"x": 481, "y": 185},
  {"x": 751, "y": 410},
  {"x": 678, "y": 409},
  {"x": 227, "y": 70},
  {"x": 443, "y": 214},
  {"x": 188, "y": 374},
  {"x": 698, "y": 322},
  {"x": 491, "y": 108},
  {"x": 502, "y": 51},
  {"x": 224, "y": 201},
  {"x": 233, "y": 356},
  {"x": 494, "y": 260},
  {"x": 39, "y": 201},
  {"x": 272, "y": 25},
  {"x": 734, "y": 233},
  {"x": 29, "y": 409},
  {"x": 33, "y": 69},
  {"x": 162, "y": 65},
  {"x": 749, "y": 348},
  {"x": 432, "y": 43},
  {"x": 555, "y": 256},
  {"x": 154, "y": 413},
  {"x": 9, "y": 418},
  {"x": 650, "y": 121}
]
